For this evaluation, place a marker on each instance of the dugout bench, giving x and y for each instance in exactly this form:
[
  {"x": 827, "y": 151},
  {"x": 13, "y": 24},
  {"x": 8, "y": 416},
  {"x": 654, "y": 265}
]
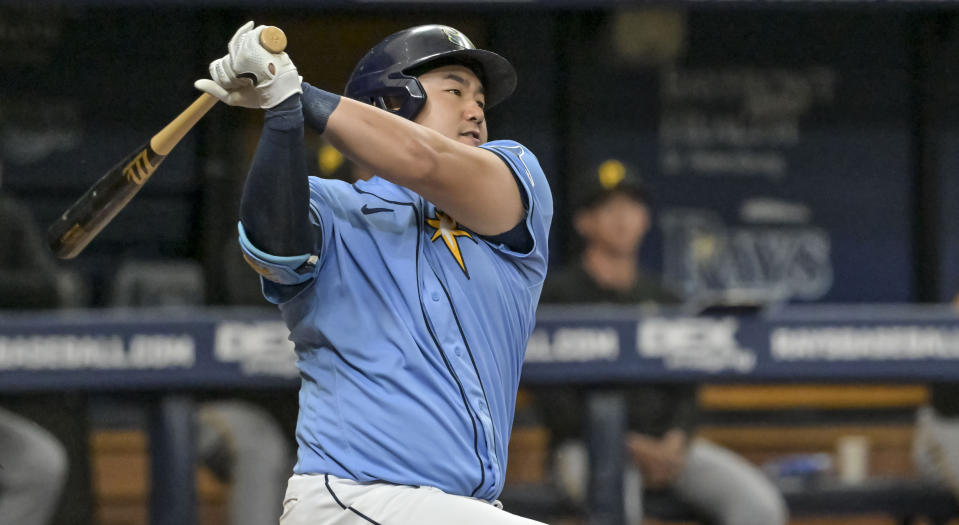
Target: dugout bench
[{"x": 171, "y": 352}]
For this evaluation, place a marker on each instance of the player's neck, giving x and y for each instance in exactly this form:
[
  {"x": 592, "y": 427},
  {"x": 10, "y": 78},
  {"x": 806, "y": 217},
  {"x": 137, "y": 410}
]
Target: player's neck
[{"x": 611, "y": 270}]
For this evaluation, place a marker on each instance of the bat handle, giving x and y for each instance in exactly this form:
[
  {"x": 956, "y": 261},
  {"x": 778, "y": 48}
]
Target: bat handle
[
  {"x": 272, "y": 38},
  {"x": 168, "y": 137}
]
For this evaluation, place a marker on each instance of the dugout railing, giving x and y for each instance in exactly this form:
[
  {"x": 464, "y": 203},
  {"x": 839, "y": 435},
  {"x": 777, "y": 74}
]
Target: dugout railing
[{"x": 170, "y": 353}]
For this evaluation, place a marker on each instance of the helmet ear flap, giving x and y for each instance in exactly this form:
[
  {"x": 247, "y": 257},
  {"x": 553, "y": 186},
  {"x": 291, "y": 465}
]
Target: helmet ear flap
[
  {"x": 402, "y": 96},
  {"x": 414, "y": 100}
]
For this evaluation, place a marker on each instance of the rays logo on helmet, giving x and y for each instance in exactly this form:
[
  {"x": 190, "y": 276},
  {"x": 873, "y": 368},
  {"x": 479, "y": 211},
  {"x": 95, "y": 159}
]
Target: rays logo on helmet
[{"x": 458, "y": 38}]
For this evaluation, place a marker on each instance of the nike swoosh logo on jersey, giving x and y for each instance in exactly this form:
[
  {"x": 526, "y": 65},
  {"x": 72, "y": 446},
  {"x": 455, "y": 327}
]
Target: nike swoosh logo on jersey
[{"x": 369, "y": 211}]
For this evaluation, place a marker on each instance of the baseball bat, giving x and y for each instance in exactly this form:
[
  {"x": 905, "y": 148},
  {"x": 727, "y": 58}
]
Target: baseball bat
[{"x": 84, "y": 219}]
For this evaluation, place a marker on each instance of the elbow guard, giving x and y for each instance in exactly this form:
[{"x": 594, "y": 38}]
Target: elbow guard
[{"x": 294, "y": 269}]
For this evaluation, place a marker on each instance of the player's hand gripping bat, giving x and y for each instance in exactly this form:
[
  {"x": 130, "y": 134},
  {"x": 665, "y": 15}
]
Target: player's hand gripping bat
[{"x": 82, "y": 221}]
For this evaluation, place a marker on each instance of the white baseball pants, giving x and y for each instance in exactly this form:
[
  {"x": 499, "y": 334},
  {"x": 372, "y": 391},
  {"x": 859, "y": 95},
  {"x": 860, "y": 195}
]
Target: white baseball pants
[{"x": 323, "y": 499}]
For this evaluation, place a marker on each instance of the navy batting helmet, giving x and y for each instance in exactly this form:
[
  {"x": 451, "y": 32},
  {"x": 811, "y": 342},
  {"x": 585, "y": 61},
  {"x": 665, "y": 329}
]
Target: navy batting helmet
[{"x": 386, "y": 75}]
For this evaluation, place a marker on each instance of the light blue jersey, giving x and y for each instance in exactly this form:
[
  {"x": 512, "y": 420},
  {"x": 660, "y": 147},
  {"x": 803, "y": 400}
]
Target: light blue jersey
[{"x": 410, "y": 338}]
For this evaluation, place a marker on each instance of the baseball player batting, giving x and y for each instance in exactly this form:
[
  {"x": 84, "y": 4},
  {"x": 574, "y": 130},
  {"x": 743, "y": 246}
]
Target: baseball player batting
[{"x": 410, "y": 296}]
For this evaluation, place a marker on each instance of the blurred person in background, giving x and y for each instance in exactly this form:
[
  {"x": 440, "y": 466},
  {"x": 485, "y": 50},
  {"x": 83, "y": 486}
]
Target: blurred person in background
[
  {"x": 612, "y": 216},
  {"x": 244, "y": 446},
  {"x": 936, "y": 442},
  {"x": 41, "y": 449},
  {"x": 33, "y": 470}
]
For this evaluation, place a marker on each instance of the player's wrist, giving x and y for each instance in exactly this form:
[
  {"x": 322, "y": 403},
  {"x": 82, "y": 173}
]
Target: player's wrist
[
  {"x": 318, "y": 105},
  {"x": 286, "y": 115}
]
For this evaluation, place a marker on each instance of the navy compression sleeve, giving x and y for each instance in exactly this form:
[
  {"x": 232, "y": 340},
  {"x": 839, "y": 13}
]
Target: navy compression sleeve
[{"x": 274, "y": 208}]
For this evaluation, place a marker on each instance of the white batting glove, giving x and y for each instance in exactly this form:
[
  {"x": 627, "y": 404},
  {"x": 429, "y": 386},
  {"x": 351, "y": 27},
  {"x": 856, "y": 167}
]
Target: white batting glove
[
  {"x": 249, "y": 64},
  {"x": 246, "y": 96},
  {"x": 221, "y": 69}
]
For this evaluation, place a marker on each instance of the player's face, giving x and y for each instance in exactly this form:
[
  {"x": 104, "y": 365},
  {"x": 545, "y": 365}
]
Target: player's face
[
  {"x": 454, "y": 104},
  {"x": 618, "y": 224}
]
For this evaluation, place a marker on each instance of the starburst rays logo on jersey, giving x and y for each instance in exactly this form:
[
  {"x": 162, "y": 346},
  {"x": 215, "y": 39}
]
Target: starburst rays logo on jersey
[{"x": 447, "y": 228}]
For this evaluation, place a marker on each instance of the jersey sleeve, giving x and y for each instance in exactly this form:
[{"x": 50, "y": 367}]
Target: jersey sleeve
[
  {"x": 327, "y": 200},
  {"x": 539, "y": 213}
]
